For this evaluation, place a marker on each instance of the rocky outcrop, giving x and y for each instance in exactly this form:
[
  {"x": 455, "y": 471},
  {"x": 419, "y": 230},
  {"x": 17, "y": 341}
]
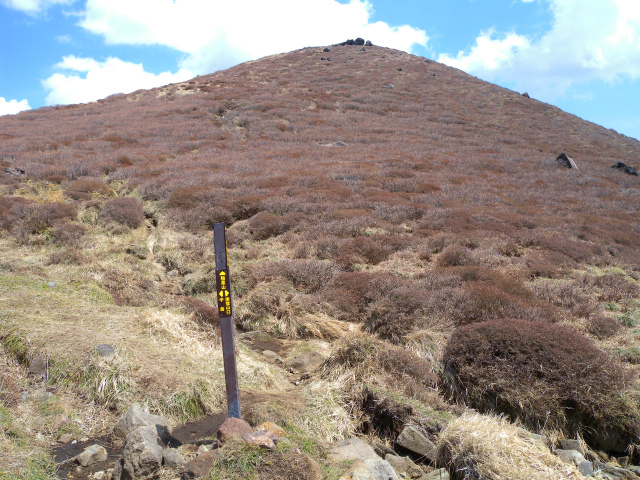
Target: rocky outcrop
[
  {"x": 136, "y": 417},
  {"x": 565, "y": 161},
  {"x": 415, "y": 441},
  {"x": 625, "y": 168}
]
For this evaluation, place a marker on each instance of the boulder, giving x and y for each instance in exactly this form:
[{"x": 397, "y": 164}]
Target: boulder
[
  {"x": 351, "y": 449},
  {"x": 93, "y": 454},
  {"x": 414, "y": 440},
  {"x": 404, "y": 466},
  {"x": 570, "y": 456},
  {"x": 565, "y": 162},
  {"x": 273, "y": 430},
  {"x": 142, "y": 456},
  {"x": 259, "y": 439},
  {"x": 172, "y": 458},
  {"x": 38, "y": 365},
  {"x": 201, "y": 465},
  {"x": 359, "y": 41},
  {"x": 135, "y": 418},
  {"x": 571, "y": 444},
  {"x": 625, "y": 168},
  {"x": 307, "y": 362},
  {"x": 368, "y": 43},
  {"x": 232, "y": 427},
  {"x": 370, "y": 469},
  {"x": 382, "y": 450},
  {"x": 526, "y": 95}
]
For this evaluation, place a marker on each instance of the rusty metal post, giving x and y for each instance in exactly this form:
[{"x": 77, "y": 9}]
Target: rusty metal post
[{"x": 225, "y": 310}]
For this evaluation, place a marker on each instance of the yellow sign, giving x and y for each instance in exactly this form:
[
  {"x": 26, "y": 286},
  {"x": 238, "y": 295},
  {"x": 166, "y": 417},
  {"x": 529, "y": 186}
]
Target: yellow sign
[{"x": 224, "y": 294}]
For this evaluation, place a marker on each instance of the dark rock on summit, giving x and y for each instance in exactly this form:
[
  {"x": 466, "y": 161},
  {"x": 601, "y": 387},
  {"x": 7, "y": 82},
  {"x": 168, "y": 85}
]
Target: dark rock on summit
[
  {"x": 368, "y": 43},
  {"x": 359, "y": 41},
  {"x": 326, "y": 50},
  {"x": 566, "y": 162},
  {"x": 526, "y": 95},
  {"x": 625, "y": 168}
]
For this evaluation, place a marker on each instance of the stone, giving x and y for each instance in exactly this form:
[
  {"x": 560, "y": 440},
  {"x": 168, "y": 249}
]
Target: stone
[
  {"x": 172, "y": 458},
  {"x": 326, "y": 50},
  {"x": 359, "y": 41},
  {"x": 59, "y": 421},
  {"x": 65, "y": 438},
  {"x": 314, "y": 472},
  {"x": 389, "y": 86},
  {"x": 614, "y": 472},
  {"x": 404, "y": 466},
  {"x": 38, "y": 365},
  {"x": 440, "y": 474},
  {"x": 571, "y": 444},
  {"x": 625, "y": 168},
  {"x": 273, "y": 429},
  {"x": 351, "y": 449},
  {"x": 142, "y": 456},
  {"x": 99, "y": 475},
  {"x": 569, "y": 456},
  {"x": 363, "y": 49},
  {"x": 201, "y": 465},
  {"x": 368, "y": 43},
  {"x": 624, "y": 461},
  {"x": 414, "y": 440},
  {"x": 566, "y": 162},
  {"x": 259, "y": 439},
  {"x": 370, "y": 469},
  {"x": 93, "y": 454},
  {"x": 273, "y": 356},
  {"x": 526, "y": 95},
  {"x": 382, "y": 450},
  {"x": 586, "y": 468},
  {"x": 14, "y": 172},
  {"x": 307, "y": 362},
  {"x": 135, "y": 418},
  {"x": 232, "y": 427},
  {"x": 104, "y": 350}
]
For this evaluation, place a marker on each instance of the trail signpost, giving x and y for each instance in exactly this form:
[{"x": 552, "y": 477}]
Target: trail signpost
[{"x": 225, "y": 310}]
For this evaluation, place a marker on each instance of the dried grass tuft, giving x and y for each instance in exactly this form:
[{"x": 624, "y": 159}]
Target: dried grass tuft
[{"x": 478, "y": 446}]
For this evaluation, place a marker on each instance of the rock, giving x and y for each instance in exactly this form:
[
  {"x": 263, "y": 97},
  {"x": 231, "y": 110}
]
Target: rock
[
  {"x": 99, "y": 475},
  {"x": 570, "y": 456},
  {"x": 51, "y": 284},
  {"x": 314, "y": 472},
  {"x": 571, "y": 444},
  {"x": 326, "y": 50},
  {"x": 307, "y": 362},
  {"x": 526, "y": 95},
  {"x": 59, "y": 421},
  {"x": 359, "y": 41},
  {"x": 414, "y": 440},
  {"x": 38, "y": 366},
  {"x": 614, "y": 472},
  {"x": 201, "y": 465},
  {"x": 586, "y": 468},
  {"x": 41, "y": 395},
  {"x": 232, "y": 427},
  {"x": 259, "y": 439},
  {"x": 142, "y": 456},
  {"x": 399, "y": 69},
  {"x": 272, "y": 356},
  {"x": 390, "y": 86},
  {"x": 564, "y": 161},
  {"x": 65, "y": 438},
  {"x": 404, "y": 466},
  {"x": 363, "y": 49},
  {"x": 625, "y": 168},
  {"x": 368, "y": 43},
  {"x": 351, "y": 449},
  {"x": 135, "y": 418},
  {"x": 624, "y": 461},
  {"x": 93, "y": 454},
  {"x": 104, "y": 350},
  {"x": 172, "y": 458},
  {"x": 382, "y": 450},
  {"x": 440, "y": 474},
  {"x": 274, "y": 430},
  {"x": 14, "y": 172},
  {"x": 370, "y": 469}
]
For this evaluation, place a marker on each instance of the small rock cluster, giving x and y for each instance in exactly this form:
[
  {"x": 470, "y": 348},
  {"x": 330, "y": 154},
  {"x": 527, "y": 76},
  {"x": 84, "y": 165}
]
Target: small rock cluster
[
  {"x": 572, "y": 452},
  {"x": 358, "y": 41},
  {"x": 382, "y": 463}
]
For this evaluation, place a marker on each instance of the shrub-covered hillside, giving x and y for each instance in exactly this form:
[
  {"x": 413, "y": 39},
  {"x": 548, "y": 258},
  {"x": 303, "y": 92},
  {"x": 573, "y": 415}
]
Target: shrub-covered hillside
[{"x": 403, "y": 248}]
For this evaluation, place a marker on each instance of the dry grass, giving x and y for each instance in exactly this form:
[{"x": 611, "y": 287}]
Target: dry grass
[{"x": 475, "y": 447}]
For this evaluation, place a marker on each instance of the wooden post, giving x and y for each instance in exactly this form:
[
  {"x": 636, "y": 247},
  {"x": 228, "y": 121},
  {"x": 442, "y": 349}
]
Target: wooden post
[{"x": 225, "y": 310}]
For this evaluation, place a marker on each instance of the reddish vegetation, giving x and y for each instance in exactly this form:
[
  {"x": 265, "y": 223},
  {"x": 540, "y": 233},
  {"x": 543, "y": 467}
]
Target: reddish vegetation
[{"x": 124, "y": 210}]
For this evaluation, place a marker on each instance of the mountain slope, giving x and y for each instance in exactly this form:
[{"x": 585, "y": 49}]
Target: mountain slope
[{"x": 380, "y": 207}]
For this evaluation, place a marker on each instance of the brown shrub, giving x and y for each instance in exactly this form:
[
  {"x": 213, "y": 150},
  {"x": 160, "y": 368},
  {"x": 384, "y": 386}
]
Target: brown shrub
[
  {"x": 38, "y": 218},
  {"x": 566, "y": 295},
  {"x": 603, "y": 327},
  {"x": 69, "y": 256},
  {"x": 454, "y": 256},
  {"x": 202, "y": 312},
  {"x": 12, "y": 209},
  {"x": 614, "y": 288},
  {"x": 305, "y": 275},
  {"x": 543, "y": 375},
  {"x": 68, "y": 233},
  {"x": 124, "y": 210},
  {"x": 265, "y": 225},
  {"x": 86, "y": 189}
]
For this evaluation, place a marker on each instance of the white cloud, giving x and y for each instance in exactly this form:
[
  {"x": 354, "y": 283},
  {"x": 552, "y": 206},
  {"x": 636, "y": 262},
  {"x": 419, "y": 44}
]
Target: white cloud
[
  {"x": 9, "y": 107},
  {"x": 102, "y": 79},
  {"x": 63, "y": 38},
  {"x": 216, "y": 34},
  {"x": 589, "y": 40},
  {"x": 33, "y": 7}
]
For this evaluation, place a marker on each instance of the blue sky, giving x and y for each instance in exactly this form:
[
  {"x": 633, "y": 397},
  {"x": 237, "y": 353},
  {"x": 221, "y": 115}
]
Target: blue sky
[{"x": 580, "y": 55}]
